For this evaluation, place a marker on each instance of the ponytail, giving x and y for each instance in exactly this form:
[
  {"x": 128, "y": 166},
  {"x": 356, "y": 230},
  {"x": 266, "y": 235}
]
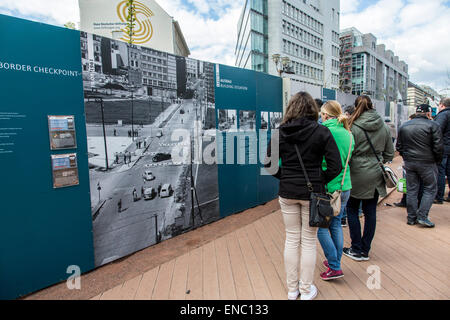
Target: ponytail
[
  {"x": 345, "y": 121},
  {"x": 362, "y": 104},
  {"x": 334, "y": 109}
]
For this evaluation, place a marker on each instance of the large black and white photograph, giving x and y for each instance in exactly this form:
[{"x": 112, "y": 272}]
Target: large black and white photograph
[
  {"x": 135, "y": 99},
  {"x": 247, "y": 120}
]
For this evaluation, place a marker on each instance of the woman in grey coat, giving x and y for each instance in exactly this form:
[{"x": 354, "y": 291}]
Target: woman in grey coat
[{"x": 367, "y": 177}]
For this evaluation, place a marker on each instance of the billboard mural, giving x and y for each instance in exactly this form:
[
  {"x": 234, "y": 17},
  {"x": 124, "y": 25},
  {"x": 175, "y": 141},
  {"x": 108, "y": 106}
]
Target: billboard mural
[
  {"x": 136, "y": 99},
  {"x": 108, "y": 18},
  {"x": 122, "y": 147}
]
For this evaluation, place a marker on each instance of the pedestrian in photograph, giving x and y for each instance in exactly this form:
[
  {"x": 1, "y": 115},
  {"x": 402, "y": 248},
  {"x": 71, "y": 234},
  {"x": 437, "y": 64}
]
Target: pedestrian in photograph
[
  {"x": 135, "y": 195},
  {"x": 129, "y": 133},
  {"x": 421, "y": 146},
  {"x": 332, "y": 239},
  {"x": 315, "y": 142},
  {"x": 115, "y": 132},
  {"x": 142, "y": 191},
  {"x": 443, "y": 119},
  {"x": 119, "y": 205},
  {"x": 116, "y": 161},
  {"x": 370, "y": 132}
]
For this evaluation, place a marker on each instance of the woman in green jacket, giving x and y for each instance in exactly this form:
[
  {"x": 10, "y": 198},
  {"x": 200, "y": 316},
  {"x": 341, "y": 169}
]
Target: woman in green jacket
[
  {"x": 367, "y": 177},
  {"x": 332, "y": 239}
]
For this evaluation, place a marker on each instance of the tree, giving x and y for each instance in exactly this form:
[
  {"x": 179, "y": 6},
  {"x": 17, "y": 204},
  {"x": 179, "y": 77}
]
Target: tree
[
  {"x": 131, "y": 20},
  {"x": 70, "y": 25}
]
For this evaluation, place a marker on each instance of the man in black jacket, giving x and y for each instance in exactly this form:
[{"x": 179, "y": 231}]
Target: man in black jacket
[
  {"x": 420, "y": 144},
  {"x": 443, "y": 119}
]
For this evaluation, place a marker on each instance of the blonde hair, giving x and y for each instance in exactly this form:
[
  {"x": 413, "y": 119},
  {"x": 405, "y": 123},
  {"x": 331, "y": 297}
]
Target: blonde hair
[{"x": 334, "y": 109}]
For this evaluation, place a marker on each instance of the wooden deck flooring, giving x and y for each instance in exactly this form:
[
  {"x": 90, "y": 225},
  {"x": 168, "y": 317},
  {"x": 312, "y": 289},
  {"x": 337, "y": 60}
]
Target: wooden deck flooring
[{"x": 248, "y": 264}]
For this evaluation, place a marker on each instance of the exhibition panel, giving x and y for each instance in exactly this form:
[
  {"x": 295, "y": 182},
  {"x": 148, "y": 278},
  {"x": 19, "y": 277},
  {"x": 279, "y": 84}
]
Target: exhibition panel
[
  {"x": 46, "y": 222},
  {"x": 108, "y": 148}
]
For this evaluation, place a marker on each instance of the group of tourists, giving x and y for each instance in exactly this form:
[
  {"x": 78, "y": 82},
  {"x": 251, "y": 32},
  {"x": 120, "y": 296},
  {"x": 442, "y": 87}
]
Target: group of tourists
[{"x": 324, "y": 149}]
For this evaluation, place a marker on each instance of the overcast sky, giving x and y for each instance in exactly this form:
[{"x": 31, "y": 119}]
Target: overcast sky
[{"x": 416, "y": 30}]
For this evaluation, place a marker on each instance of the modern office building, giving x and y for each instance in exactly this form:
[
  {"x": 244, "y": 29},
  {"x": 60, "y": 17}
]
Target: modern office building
[
  {"x": 305, "y": 31},
  {"x": 368, "y": 68},
  {"x": 416, "y": 95},
  {"x": 431, "y": 93}
]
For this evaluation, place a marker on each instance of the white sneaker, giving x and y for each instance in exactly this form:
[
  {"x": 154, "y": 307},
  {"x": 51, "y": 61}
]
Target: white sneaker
[
  {"x": 311, "y": 295},
  {"x": 293, "y": 295}
]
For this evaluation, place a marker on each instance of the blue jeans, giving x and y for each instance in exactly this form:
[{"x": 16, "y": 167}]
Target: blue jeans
[
  {"x": 369, "y": 206},
  {"x": 444, "y": 170},
  {"x": 332, "y": 239}
]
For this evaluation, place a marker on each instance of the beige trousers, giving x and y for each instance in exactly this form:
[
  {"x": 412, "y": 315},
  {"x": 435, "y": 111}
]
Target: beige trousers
[{"x": 298, "y": 233}]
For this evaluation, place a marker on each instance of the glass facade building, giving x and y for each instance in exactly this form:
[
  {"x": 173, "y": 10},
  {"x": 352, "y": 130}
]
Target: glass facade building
[
  {"x": 305, "y": 31},
  {"x": 251, "y": 48},
  {"x": 374, "y": 70}
]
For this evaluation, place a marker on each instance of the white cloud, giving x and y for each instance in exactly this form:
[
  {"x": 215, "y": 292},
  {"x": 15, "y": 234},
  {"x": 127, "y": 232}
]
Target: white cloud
[
  {"x": 60, "y": 11},
  {"x": 415, "y": 30},
  {"x": 349, "y": 6}
]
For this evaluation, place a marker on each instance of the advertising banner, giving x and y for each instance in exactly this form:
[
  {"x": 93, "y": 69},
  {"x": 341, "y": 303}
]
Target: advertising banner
[{"x": 108, "y": 18}]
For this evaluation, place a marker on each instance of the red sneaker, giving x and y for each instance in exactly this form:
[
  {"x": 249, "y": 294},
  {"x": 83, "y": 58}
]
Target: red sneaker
[
  {"x": 331, "y": 274},
  {"x": 325, "y": 263}
]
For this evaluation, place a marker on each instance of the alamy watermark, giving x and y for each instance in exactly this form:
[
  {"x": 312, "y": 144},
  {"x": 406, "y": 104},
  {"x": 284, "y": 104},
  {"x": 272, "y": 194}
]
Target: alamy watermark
[
  {"x": 374, "y": 280},
  {"x": 74, "y": 280},
  {"x": 222, "y": 150}
]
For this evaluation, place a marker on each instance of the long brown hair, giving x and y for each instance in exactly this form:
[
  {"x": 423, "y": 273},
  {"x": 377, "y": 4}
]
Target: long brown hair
[
  {"x": 301, "y": 105},
  {"x": 334, "y": 109},
  {"x": 362, "y": 104}
]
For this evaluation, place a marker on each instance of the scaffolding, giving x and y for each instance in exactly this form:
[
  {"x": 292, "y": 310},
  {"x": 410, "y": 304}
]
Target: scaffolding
[{"x": 345, "y": 68}]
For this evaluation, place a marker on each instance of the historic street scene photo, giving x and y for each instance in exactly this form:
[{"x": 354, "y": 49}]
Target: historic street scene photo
[{"x": 135, "y": 98}]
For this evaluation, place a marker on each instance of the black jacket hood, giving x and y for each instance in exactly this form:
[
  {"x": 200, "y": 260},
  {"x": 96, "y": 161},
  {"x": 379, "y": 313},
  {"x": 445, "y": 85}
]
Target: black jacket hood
[{"x": 298, "y": 130}]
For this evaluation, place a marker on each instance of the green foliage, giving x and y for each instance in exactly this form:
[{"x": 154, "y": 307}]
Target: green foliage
[
  {"x": 131, "y": 20},
  {"x": 70, "y": 25}
]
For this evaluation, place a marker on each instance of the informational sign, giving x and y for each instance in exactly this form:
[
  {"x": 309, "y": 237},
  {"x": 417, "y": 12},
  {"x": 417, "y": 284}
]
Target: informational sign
[
  {"x": 62, "y": 132},
  {"x": 65, "y": 170},
  {"x": 328, "y": 95}
]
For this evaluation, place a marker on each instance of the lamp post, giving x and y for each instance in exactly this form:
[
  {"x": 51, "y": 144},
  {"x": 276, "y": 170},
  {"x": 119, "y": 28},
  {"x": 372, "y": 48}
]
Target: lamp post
[
  {"x": 100, "y": 101},
  {"x": 282, "y": 64}
]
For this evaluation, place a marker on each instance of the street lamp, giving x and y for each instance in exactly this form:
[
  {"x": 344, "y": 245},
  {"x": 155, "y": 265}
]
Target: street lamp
[
  {"x": 282, "y": 64},
  {"x": 100, "y": 101}
]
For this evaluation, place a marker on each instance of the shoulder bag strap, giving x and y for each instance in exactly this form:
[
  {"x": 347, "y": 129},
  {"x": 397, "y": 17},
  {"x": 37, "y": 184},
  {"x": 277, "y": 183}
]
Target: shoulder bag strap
[
  {"x": 373, "y": 148},
  {"x": 308, "y": 183},
  {"x": 348, "y": 160}
]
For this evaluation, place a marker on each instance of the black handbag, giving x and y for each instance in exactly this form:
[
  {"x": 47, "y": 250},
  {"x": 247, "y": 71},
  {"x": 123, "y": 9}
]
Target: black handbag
[{"x": 321, "y": 212}]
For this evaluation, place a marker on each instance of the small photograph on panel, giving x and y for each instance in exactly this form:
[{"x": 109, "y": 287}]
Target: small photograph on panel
[
  {"x": 247, "y": 120},
  {"x": 264, "y": 120},
  {"x": 275, "y": 119},
  {"x": 227, "y": 120}
]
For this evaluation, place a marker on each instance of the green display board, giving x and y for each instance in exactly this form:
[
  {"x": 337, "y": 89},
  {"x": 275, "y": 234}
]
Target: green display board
[
  {"x": 246, "y": 101},
  {"x": 43, "y": 229}
]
